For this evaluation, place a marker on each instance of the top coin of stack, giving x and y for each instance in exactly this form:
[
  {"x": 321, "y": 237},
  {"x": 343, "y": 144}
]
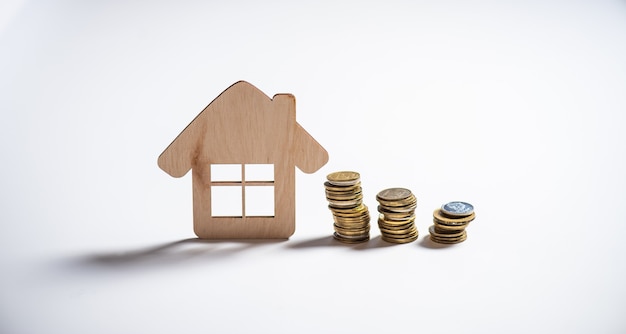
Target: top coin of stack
[
  {"x": 397, "y": 215},
  {"x": 345, "y": 201},
  {"x": 450, "y": 222}
]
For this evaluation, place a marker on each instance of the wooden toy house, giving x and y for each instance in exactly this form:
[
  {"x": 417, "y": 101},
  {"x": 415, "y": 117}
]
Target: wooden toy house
[{"x": 246, "y": 130}]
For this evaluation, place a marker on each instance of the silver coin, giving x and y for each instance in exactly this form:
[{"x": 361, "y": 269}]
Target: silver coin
[{"x": 459, "y": 209}]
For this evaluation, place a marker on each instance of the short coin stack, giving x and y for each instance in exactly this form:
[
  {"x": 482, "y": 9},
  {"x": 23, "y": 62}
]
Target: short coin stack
[
  {"x": 450, "y": 222},
  {"x": 345, "y": 200},
  {"x": 397, "y": 215}
]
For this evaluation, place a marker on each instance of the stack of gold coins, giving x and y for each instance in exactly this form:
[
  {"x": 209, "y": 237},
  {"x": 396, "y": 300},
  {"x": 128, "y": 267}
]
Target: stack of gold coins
[
  {"x": 345, "y": 201},
  {"x": 397, "y": 215},
  {"x": 450, "y": 222}
]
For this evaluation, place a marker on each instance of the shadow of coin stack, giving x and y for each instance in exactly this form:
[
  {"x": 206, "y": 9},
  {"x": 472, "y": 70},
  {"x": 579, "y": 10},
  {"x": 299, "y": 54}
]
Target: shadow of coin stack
[
  {"x": 345, "y": 201},
  {"x": 450, "y": 222},
  {"x": 397, "y": 215}
]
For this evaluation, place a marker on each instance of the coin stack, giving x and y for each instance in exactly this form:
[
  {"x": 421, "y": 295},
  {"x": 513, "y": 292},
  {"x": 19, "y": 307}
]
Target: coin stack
[
  {"x": 397, "y": 215},
  {"x": 450, "y": 222},
  {"x": 345, "y": 201}
]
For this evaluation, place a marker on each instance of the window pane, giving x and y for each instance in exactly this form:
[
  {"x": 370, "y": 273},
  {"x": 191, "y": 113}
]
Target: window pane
[
  {"x": 226, "y": 201},
  {"x": 260, "y": 172},
  {"x": 259, "y": 201},
  {"x": 225, "y": 172}
]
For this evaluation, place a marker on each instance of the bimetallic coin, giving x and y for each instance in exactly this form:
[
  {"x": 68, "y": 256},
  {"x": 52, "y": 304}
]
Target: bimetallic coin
[{"x": 457, "y": 209}]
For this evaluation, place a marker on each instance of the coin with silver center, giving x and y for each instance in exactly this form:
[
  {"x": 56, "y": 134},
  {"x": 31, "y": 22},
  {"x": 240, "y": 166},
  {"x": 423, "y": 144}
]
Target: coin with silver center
[{"x": 457, "y": 209}]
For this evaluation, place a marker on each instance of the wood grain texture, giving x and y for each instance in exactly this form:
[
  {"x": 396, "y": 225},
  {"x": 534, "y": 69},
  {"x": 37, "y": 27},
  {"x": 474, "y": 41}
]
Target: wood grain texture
[{"x": 244, "y": 126}]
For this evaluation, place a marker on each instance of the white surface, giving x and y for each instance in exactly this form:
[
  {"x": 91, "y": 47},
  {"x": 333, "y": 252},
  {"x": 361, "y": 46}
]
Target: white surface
[{"x": 518, "y": 109}]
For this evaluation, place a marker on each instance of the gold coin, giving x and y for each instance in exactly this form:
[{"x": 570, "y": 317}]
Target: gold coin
[
  {"x": 433, "y": 230},
  {"x": 344, "y": 204},
  {"x": 448, "y": 240},
  {"x": 407, "y": 229},
  {"x": 352, "y": 225},
  {"x": 393, "y": 194},
  {"x": 358, "y": 208},
  {"x": 350, "y": 197},
  {"x": 344, "y": 195},
  {"x": 339, "y": 188},
  {"x": 396, "y": 222},
  {"x": 450, "y": 228},
  {"x": 360, "y": 227},
  {"x": 351, "y": 218},
  {"x": 399, "y": 241},
  {"x": 353, "y": 237},
  {"x": 452, "y": 221},
  {"x": 343, "y": 239},
  {"x": 343, "y": 178},
  {"x": 365, "y": 227},
  {"x": 398, "y": 232},
  {"x": 409, "y": 201},
  {"x": 408, "y": 234},
  {"x": 397, "y": 217},
  {"x": 399, "y": 210},
  {"x": 347, "y": 220},
  {"x": 395, "y": 226},
  {"x": 352, "y": 234},
  {"x": 436, "y": 230},
  {"x": 352, "y": 221},
  {"x": 349, "y": 209}
]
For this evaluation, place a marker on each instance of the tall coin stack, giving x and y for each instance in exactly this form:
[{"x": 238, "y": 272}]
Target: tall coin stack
[
  {"x": 397, "y": 215},
  {"x": 345, "y": 201},
  {"x": 450, "y": 222}
]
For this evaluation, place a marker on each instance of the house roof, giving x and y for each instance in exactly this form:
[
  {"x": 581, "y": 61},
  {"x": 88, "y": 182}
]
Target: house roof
[{"x": 243, "y": 125}]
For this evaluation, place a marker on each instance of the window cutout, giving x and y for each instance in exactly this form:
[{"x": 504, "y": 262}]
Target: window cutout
[
  {"x": 226, "y": 201},
  {"x": 260, "y": 172},
  {"x": 260, "y": 201},
  {"x": 225, "y": 172}
]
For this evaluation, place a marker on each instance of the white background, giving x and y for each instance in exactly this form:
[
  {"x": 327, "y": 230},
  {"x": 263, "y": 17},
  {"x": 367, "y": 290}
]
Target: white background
[{"x": 516, "y": 107}]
